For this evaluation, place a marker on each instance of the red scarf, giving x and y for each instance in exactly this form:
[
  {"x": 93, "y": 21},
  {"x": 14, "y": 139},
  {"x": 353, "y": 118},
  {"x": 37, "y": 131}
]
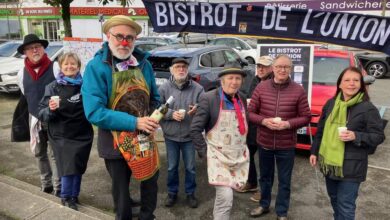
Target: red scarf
[{"x": 43, "y": 65}]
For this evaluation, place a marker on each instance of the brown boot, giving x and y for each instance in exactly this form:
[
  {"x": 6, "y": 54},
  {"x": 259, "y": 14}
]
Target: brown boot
[
  {"x": 247, "y": 187},
  {"x": 256, "y": 196}
]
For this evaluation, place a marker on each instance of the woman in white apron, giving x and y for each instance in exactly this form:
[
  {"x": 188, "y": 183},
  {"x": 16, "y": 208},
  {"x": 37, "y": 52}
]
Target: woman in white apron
[{"x": 221, "y": 113}]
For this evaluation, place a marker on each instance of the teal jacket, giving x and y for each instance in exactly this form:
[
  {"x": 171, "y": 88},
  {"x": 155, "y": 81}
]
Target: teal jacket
[{"x": 97, "y": 87}]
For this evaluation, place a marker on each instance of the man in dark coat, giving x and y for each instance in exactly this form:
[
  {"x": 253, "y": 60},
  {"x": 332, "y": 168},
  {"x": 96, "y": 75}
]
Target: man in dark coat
[
  {"x": 263, "y": 72},
  {"x": 38, "y": 71}
]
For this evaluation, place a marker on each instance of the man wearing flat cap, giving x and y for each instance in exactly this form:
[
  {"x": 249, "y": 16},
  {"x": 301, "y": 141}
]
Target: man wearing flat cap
[
  {"x": 222, "y": 114},
  {"x": 119, "y": 93},
  {"x": 263, "y": 72},
  {"x": 38, "y": 71},
  {"x": 176, "y": 129}
]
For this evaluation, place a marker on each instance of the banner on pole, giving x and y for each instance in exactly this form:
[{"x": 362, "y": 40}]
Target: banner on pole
[{"x": 347, "y": 29}]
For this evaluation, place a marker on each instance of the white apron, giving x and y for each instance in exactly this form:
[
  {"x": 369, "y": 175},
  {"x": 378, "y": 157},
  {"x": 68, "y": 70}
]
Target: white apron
[{"x": 227, "y": 152}]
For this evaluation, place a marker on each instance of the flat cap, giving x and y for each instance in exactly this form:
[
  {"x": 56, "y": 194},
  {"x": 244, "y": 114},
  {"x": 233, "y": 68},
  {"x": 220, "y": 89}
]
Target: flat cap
[
  {"x": 180, "y": 60},
  {"x": 264, "y": 60}
]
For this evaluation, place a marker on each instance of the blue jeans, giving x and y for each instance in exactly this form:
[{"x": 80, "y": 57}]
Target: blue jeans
[
  {"x": 173, "y": 156},
  {"x": 284, "y": 163},
  {"x": 70, "y": 186},
  {"x": 343, "y": 195}
]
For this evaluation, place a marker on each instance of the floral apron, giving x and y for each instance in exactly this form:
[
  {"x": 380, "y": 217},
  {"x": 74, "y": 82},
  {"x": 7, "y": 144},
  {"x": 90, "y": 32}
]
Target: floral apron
[
  {"x": 130, "y": 94},
  {"x": 227, "y": 152}
]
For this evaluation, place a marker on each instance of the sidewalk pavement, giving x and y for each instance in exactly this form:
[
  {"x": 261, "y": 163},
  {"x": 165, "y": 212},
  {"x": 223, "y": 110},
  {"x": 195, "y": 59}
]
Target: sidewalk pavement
[{"x": 20, "y": 200}]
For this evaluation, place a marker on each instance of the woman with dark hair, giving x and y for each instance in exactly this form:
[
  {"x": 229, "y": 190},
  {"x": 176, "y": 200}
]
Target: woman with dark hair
[{"x": 349, "y": 129}]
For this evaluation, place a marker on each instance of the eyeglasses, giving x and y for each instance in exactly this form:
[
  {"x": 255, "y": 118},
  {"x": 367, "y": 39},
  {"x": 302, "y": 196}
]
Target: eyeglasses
[
  {"x": 282, "y": 67},
  {"x": 33, "y": 47},
  {"x": 120, "y": 37}
]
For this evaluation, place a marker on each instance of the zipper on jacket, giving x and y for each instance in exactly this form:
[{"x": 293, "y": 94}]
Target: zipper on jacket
[{"x": 276, "y": 111}]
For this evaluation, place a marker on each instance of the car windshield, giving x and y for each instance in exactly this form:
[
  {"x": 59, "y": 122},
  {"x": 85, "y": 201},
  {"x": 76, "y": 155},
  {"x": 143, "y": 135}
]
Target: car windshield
[
  {"x": 326, "y": 70},
  {"x": 52, "y": 49},
  {"x": 8, "y": 49}
]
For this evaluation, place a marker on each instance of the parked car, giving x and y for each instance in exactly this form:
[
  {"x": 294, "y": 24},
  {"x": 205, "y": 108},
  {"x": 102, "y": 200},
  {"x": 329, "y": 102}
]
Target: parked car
[
  {"x": 205, "y": 62},
  {"x": 160, "y": 39},
  {"x": 328, "y": 64},
  {"x": 8, "y": 49},
  {"x": 376, "y": 64},
  {"x": 10, "y": 67},
  {"x": 146, "y": 46},
  {"x": 245, "y": 48}
]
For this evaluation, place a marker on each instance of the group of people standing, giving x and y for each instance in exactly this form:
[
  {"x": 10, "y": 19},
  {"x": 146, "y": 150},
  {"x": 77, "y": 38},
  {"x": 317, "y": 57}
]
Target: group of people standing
[{"x": 118, "y": 93}]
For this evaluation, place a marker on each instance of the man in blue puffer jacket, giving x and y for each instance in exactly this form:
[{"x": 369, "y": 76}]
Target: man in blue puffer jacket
[{"x": 119, "y": 92}]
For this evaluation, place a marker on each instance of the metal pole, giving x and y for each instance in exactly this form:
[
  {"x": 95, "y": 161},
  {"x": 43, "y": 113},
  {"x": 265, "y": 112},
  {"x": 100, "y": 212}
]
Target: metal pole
[
  {"x": 384, "y": 2},
  {"x": 101, "y": 20}
]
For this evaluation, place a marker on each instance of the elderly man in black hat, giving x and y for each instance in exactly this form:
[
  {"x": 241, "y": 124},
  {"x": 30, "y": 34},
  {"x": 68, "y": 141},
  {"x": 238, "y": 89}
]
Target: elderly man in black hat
[
  {"x": 222, "y": 114},
  {"x": 119, "y": 93},
  {"x": 38, "y": 71},
  {"x": 176, "y": 129}
]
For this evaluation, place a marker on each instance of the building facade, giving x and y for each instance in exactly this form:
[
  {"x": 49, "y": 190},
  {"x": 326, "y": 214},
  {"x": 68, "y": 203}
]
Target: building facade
[{"x": 87, "y": 16}]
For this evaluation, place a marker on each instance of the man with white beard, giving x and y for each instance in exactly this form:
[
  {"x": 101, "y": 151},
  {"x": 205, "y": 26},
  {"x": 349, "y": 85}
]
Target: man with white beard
[{"x": 119, "y": 92}]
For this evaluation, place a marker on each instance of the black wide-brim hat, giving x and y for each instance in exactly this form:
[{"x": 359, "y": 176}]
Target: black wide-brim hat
[
  {"x": 31, "y": 39},
  {"x": 232, "y": 68}
]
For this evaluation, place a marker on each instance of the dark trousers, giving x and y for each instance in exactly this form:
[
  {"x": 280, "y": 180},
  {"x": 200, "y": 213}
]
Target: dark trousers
[
  {"x": 252, "y": 175},
  {"x": 120, "y": 175},
  {"x": 343, "y": 195},
  {"x": 284, "y": 163}
]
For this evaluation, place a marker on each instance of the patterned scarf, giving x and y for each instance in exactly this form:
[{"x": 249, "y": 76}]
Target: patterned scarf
[
  {"x": 331, "y": 155},
  {"x": 65, "y": 80},
  {"x": 43, "y": 65}
]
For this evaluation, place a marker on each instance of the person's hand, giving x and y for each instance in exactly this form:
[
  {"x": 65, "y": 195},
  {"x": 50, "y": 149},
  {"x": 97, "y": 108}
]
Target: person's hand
[
  {"x": 347, "y": 136},
  {"x": 177, "y": 116},
  {"x": 313, "y": 160},
  {"x": 147, "y": 124},
  {"x": 282, "y": 125},
  {"x": 201, "y": 153},
  {"x": 192, "y": 110},
  {"x": 53, "y": 105},
  {"x": 270, "y": 123}
]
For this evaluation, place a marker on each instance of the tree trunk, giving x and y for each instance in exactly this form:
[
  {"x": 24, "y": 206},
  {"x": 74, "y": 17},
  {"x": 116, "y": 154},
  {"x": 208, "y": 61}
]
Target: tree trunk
[{"x": 65, "y": 4}]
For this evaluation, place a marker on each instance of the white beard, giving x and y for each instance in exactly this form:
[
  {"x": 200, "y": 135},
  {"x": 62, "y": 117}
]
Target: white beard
[{"x": 114, "y": 51}]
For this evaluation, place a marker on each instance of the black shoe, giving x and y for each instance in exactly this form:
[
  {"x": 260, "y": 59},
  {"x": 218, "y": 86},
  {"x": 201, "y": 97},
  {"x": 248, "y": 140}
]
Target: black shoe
[
  {"x": 76, "y": 200},
  {"x": 48, "y": 189},
  {"x": 70, "y": 202},
  {"x": 192, "y": 202},
  {"x": 171, "y": 200}
]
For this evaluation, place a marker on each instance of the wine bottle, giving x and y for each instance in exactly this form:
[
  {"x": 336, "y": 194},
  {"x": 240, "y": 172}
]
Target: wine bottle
[{"x": 159, "y": 113}]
